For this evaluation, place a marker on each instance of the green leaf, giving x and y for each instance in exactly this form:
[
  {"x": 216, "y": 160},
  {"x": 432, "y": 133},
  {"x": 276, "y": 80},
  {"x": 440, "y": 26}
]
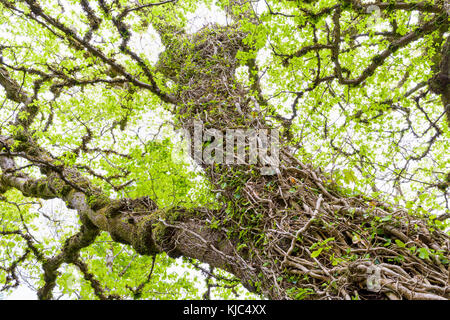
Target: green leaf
[
  {"x": 316, "y": 253},
  {"x": 399, "y": 243},
  {"x": 423, "y": 253}
]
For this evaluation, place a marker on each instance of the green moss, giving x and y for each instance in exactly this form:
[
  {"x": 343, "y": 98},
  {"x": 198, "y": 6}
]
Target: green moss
[{"x": 98, "y": 201}]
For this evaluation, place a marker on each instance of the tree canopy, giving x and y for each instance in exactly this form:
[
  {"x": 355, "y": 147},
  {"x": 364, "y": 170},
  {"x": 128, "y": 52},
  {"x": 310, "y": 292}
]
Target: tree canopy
[{"x": 98, "y": 202}]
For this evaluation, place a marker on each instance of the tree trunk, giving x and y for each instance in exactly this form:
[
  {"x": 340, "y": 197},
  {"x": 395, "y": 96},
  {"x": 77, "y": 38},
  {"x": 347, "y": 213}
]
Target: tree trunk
[
  {"x": 295, "y": 233},
  {"x": 286, "y": 233}
]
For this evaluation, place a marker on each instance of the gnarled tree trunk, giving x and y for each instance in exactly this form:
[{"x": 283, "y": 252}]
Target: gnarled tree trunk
[{"x": 289, "y": 234}]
